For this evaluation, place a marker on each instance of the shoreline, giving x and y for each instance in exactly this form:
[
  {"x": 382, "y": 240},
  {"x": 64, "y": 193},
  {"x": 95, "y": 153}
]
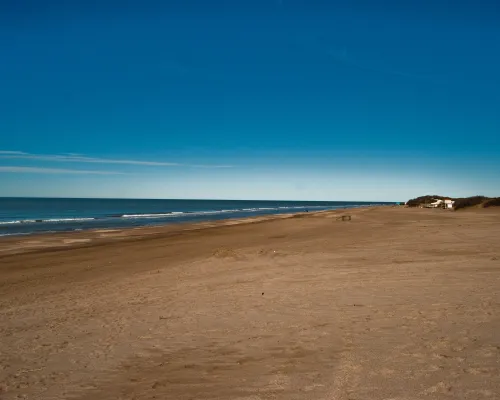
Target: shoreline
[
  {"x": 45, "y": 215},
  {"x": 46, "y": 241}
]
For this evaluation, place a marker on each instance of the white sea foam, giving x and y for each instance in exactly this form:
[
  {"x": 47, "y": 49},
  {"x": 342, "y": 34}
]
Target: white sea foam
[
  {"x": 196, "y": 213},
  {"x": 67, "y": 219},
  {"x": 170, "y": 214},
  {"x": 33, "y": 221}
]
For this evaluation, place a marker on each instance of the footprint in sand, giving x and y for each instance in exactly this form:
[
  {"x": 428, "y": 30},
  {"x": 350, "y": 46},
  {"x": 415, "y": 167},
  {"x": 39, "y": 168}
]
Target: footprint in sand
[
  {"x": 441, "y": 387},
  {"x": 225, "y": 252}
]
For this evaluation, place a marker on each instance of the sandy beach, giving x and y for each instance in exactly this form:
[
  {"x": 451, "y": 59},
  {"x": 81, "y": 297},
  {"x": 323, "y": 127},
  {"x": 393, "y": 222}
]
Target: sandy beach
[{"x": 395, "y": 304}]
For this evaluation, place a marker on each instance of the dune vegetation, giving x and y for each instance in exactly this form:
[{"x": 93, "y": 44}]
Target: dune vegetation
[{"x": 460, "y": 202}]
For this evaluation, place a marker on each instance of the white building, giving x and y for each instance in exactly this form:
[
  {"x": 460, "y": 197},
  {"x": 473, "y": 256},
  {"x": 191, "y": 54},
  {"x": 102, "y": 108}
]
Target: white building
[
  {"x": 438, "y": 203},
  {"x": 448, "y": 203}
]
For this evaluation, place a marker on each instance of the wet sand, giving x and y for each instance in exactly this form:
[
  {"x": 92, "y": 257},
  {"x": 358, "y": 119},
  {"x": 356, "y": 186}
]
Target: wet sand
[{"x": 395, "y": 304}]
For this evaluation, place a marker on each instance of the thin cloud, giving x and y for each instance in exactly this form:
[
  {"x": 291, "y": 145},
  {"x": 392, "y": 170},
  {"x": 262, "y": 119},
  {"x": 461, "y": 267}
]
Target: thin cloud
[
  {"x": 11, "y": 152},
  {"x": 95, "y": 160},
  {"x": 73, "y": 154},
  {"x": 83, "y": 159},
  {"x": 37, "y": 170}
]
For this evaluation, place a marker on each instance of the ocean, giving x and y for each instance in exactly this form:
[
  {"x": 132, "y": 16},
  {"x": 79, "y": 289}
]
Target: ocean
[{"x": 21, "y": 216}]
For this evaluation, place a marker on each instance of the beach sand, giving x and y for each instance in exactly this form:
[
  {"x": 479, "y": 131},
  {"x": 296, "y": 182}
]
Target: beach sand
[{"x": 395, "y": 304}]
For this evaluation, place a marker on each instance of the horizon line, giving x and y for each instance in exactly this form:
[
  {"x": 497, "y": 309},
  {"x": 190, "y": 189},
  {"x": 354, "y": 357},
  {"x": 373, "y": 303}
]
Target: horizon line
[{"x": 204, "y": 199}]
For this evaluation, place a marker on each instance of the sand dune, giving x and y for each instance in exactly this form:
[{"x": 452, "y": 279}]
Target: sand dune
[{"x": 395, "y": 304}]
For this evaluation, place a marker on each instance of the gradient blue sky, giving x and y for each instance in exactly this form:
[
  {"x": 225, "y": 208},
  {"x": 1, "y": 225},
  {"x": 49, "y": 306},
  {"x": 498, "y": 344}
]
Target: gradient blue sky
[{"x": 250, "y": 99}]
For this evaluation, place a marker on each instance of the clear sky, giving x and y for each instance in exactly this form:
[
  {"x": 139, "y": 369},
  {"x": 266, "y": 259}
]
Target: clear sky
[{"x": 250, "y": 99}]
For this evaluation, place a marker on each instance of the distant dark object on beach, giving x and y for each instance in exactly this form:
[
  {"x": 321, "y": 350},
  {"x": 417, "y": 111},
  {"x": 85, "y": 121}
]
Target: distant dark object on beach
[{"x": 344, "y": 218}]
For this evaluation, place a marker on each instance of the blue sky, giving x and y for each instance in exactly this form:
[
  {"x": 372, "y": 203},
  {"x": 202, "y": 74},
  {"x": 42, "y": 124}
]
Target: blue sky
[{"x": 277, "y": 99}]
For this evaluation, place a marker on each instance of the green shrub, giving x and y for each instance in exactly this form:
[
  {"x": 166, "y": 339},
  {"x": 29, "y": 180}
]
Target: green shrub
[
  {"x": 469, "y": 202},
  {"x": 423, "y": 200},
  {"x": 492, "y": 202},
  {"x": 463, "y": 202}
]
